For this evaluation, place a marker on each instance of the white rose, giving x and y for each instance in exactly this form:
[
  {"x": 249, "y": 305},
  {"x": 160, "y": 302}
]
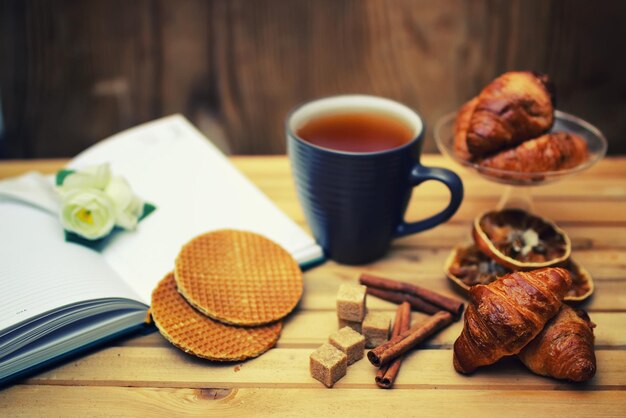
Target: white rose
[
  {"x": 96, "y": 177},
  {"x": 88, "y": 212},
  {"x": 128, "y": 207}
]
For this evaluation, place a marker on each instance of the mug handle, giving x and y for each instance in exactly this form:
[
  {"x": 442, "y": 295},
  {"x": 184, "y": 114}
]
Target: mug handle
[{"x": 420, "y": 174}]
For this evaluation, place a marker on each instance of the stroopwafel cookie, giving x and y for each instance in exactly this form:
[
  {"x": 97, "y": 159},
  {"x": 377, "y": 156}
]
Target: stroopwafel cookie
[
  {"x": 203, "y": 337},
  {"x": 238, "y": 277}
]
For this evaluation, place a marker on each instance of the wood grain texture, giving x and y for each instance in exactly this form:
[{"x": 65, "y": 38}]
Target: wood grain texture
[
  {"x": 295, "y": 402},
  {"x": 145, "y": 375},
  {"x": 288, "y": 367},
  {"x": 75, "y": 72}
]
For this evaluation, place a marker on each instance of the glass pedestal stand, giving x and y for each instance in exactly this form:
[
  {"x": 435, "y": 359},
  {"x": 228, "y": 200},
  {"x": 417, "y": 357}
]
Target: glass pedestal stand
[
  {"x": 516, "y": 197},
  {"x": 517, "y": 193}
]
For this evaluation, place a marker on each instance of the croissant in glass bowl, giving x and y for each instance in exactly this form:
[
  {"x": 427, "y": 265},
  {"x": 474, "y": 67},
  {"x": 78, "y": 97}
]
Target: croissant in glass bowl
[
  {"x": 550, "y": 152},
  {"x": 460, "y": 129},
  {"x": 513, "y": 108}
]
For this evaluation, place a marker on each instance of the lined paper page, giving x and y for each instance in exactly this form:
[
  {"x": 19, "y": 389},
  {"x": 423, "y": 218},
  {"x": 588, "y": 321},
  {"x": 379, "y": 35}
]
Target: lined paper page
[
  {"x": 39, "y": 271},
  {"x": 195, "y": 188}
]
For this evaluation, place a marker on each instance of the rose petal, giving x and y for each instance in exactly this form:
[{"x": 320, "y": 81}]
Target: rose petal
[
  {"x": 96, "y": 177},
  {"x": 88, "y": 212},
  {"x": 128, "y": 207}
]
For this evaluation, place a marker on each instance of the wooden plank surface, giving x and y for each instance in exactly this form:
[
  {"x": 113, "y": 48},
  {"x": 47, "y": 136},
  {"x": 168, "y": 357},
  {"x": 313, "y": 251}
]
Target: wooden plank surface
[
  {"x": 145, "y": 375},
  {"x": 288, "y": 367},
  {"x": 76, "y": 72},
  {"x": 301, "y": 402}
]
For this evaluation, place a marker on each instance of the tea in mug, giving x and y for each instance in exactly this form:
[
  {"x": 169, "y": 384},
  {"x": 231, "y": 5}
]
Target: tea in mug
[{"x": 356, "y": 132}]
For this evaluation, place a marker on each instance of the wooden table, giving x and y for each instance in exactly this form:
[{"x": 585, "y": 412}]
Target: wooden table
[{"x": 146, "y": 375}]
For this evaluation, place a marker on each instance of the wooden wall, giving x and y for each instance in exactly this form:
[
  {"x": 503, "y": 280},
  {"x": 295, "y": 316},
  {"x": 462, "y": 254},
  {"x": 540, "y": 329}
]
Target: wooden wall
[{"x": 73, "y": 71}]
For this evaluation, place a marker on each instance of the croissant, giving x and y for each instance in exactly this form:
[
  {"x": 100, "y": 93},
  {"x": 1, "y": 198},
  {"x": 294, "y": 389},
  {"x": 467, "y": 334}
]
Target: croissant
[
  {"x": 550, "y": 152},
  {"x": 507, "y": 314},
  {"x": 513, "y": 108},
  {"x": 564, "y": 349},
  {"x": 460, "y": 129}
]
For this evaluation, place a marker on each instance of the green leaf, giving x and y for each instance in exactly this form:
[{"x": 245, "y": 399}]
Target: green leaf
[
  {"x": 61, "y": 175},
  {"x": 148, "y": 208},
  {"x": 94, "y": 244}
]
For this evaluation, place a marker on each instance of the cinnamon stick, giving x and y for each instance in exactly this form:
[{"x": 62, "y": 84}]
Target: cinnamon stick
[
  {"x": 391, "y": 371},
  {"x": 390, "y": 375},
  {"x": 385, "y": 353},
  {"x": 398, "y": 297},
  {"x": 400, "y": 324},
  {"x": 454, "y": 306}
]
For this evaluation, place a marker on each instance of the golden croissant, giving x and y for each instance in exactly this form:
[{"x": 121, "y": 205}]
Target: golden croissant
[
  {"x": 460, "y": 129},
  {"x": 564, "y": 349},
  {"x": 507, "y": 314},
  {"x": 550, "y": 152},
  {"x": 513, "y": 108}
]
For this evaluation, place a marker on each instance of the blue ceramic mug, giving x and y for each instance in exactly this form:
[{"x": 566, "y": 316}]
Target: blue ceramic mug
[{"x": 355, "y": 202}]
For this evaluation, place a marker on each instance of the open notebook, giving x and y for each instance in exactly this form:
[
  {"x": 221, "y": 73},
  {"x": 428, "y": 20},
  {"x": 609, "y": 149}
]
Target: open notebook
[{"x": 57, "y": 298}]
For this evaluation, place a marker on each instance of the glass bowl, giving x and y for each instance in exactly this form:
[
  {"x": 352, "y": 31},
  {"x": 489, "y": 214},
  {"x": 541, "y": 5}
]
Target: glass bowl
[{"x": 563, "y": 122}]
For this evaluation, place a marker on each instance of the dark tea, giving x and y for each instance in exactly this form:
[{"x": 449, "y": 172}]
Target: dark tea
[{"x": 356, "y": 132}]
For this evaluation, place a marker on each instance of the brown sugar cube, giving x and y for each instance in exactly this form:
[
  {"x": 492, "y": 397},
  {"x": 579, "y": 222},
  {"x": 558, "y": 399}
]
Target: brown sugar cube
[
  {"x": 328, "y": 364},
  {"x": 351, "y": 302},
  {"x": 350, "y": 342},
  {"x": 376, "y": 329},
  {"x": 352, "y": 324}
]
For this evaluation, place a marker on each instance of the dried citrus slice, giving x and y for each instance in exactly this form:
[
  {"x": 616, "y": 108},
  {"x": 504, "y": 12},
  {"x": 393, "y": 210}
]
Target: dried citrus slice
[
  {"x": 519, "y": 240},
  {"x": 467, "y": 266},
  {"x": 582, "y": 282}
]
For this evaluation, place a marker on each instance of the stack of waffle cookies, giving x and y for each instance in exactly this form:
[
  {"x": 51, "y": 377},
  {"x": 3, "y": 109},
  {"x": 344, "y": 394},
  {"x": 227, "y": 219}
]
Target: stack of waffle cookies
[{"x": 227, "y": 295}]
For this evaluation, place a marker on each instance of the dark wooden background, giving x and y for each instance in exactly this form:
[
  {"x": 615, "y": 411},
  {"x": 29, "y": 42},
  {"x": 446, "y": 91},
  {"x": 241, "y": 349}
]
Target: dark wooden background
[{"x": 74, "y": 71}]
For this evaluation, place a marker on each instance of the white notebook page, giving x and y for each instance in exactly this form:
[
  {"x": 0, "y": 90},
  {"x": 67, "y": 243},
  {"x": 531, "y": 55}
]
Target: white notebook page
[
  {"x": 40, "y": 272},
  {"x": 195, "y": 188}
]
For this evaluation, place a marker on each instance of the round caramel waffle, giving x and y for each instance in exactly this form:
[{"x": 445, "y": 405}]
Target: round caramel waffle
[
  {"x": 238, "y": 277},
  {"x": 196, "y": 334}
]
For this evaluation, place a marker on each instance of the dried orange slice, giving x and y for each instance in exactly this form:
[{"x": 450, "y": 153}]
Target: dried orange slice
[
  {"x": 467, "y": 266},
  {"x": 582, "y": 282},
  {"x": 519, "y": 240}
]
